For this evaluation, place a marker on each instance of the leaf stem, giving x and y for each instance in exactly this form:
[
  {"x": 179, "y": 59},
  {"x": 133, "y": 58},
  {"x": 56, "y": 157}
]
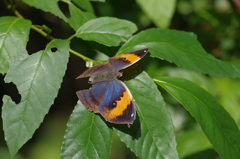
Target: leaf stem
[
  {"x": 18, "y": 14},
  {"x": 81, "y": 56},
  {"x": 43, "y": 33},
  {"x": 71, "y": 37},
  {"x": 40, "y": 31}
]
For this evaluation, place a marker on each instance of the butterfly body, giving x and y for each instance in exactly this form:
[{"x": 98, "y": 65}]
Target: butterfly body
[
  {"x": 109, "y": 96},
  {"x": 106, "y": 76}
]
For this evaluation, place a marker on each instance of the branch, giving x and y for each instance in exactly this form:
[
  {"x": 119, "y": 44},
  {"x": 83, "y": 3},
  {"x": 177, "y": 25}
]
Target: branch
[{"x": 43, "y": 33}]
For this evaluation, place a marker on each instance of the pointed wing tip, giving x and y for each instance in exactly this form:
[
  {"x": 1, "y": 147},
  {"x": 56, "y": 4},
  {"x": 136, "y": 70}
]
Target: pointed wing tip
[
  {"x": 78, "y": 77},
  {"x": 82, "y": 76},
  {"x": 145, "y": 49}
]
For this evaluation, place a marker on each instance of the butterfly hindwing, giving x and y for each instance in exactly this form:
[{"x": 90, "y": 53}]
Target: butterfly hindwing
[
  {"x": 92, "y": 98},
  {"x": 117, "y": 105},
  {"x": 124, "y": 60},
  {"x": 111, "y": 99}
]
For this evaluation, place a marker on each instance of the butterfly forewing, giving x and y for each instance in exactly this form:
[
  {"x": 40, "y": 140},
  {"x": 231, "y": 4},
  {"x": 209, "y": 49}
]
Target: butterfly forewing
[{"x": 125, "y": 60}]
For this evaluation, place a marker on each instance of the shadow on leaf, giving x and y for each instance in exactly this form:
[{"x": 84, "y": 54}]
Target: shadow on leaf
[{"x": 134, "y": 130}]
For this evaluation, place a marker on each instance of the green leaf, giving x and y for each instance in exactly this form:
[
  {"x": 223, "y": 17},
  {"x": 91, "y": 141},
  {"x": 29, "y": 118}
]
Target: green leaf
[
  {"x": 159, "y": 11},
  {"x": 153, "y": 136},
  {"x": 78, "y": 17},
  {"x": 107, "y": 31},
  {"x": 200, "y": 79},
  {"x": 228, "y": 95},
  {"x": 216, "y": 123},
  {"x": 87, "y": 135},
  {"x": 98, "y": 0},
  {"x": 191, "y": 142},
  {"x": 84, "y": 4},
  {"x": 13, "y": 35},
  {"x": 47, "y": 6},
  {"x": 181, "y": 48},
  {"x": 38, "y": 78}
]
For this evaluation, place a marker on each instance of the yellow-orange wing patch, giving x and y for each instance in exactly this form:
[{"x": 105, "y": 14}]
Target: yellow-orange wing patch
[
  {"x": 125, "y": 60},
  {"x": 131, "y": 58},
  {"x": 123, "y": 110},
  {"x": 121, "y": 106}
]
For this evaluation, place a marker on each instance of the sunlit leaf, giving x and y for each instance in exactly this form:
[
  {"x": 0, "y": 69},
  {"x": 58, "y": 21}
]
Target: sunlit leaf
[
  {"x": 107, "y": 31},
  {"x": 216, "y": 123},
  {"x": 152, "y": 136},
  {"x": 181, "y": 48},
  {"x": 13, "y": 35},
  {"x": 159, "y": 11},
  {"x": 228, "y": 94},
  {"x": 38, "y": 78},
  {"x": 84, "y": 4},
  {"x": 87, "y": 135},
  {"x": 191, "y": 142},
  {"x": 47, "y": 6},
  {"x": 78, "y": 17},
  {"x": 98, "y": 0}
]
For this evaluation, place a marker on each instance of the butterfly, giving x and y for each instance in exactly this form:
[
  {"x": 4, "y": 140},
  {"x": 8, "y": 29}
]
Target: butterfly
[{"x": 109, "y": 96}]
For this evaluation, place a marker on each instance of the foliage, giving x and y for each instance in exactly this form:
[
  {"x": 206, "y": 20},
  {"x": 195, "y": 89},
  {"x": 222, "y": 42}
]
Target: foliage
[{"x": 38, "y": 77}]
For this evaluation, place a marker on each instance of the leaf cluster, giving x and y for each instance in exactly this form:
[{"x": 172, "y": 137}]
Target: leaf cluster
[{"x": 38, "y": 78}]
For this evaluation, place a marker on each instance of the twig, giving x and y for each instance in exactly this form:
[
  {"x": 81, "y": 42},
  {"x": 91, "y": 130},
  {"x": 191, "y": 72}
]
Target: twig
[
  {"x": 81, "y": 56},
  {"x": 43, "y": 33}
]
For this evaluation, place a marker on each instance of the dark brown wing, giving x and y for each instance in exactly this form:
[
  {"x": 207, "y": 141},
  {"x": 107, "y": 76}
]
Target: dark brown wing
[{"x": 124, "y": 60}]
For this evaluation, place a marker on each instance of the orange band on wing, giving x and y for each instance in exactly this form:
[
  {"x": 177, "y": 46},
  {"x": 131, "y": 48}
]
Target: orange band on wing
[
  {"x": 121, "y": 105},
  {"x": 130, "y": 57}
]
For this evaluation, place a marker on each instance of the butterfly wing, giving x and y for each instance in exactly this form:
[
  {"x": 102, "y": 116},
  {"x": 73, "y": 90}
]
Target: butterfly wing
[
  {"x": 122, "y": 61},
  {"x": 92, "y": 98},
  {"x": 109, "y": 96},
  {"x": 115, "y": 63},
  {"x": 111, "y": 99},
  {"x": 97, "y": 69},
  {"x": 118, "y": 104}
]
